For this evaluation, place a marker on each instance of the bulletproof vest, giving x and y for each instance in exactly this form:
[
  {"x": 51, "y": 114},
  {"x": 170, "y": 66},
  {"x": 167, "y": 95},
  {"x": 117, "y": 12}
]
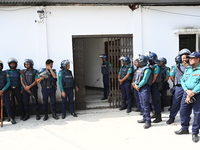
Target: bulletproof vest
[
  {"x": 2, "y": 79},
  {"x": 135, "y": 74},
  {"x": 124, "y": 71},
  {"x": 51, "y": 81},
  {"x": 14, "y": 77},
  {"x": 179, "y": 74},
  {"x": 67, "y": 79},
  {"x": 139, "y": 74},
  {"x": 104, "y": 68},
  {"x": 29, "y": 76},
  {"x": 159, "y": 77},
  {"x": 164, "y": 70}
]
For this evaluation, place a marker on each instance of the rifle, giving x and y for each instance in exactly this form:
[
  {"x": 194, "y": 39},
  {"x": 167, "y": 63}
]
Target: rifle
[
  {"x": 26, "y": 84},
  {"x": 1, "y": 111}
]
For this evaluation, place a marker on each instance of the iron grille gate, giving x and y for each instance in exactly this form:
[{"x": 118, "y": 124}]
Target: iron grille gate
[{"x": 117, "y": 46}]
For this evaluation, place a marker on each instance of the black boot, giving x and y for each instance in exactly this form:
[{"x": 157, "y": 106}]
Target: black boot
[
  {"x": 45, "y": 117},
  {"x": 37, "y": 115},
  {"x": 13, "y": 120},
  {"x": 55, "y": 116},
  {"x": 26, "y": 117},
  {"x": 22, "y": 116},
  {"x": 158, "y": 118}
]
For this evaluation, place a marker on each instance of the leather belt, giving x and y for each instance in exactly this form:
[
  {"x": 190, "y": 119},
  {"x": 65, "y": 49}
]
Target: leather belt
[{"x": 48, "y": 87}]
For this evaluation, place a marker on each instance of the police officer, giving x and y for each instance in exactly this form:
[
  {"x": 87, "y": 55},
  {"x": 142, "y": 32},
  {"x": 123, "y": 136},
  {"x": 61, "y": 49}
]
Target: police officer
[
  {"x": 191, "y": 97},
  {"x": 143, "y": 80},
  {"x": 165, "y": 77},
  {"x": 48, "y": 85},
  {"x": 29, "y": 82},
  {"x": 67, "y": 85},
  {"x": 4, "y": 85},
  {"x": 156, "y": 82},
  {"x": 105, "y": 73},
  {"x": 137, "y": 100},
  {"x": 176, "y": 75},
  {"x": 125, "y": 79},
  {"x": 15, "y": 86}
]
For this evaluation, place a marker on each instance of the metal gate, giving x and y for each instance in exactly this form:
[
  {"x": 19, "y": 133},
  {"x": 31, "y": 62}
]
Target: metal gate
[{"x": 117, "y": 47}]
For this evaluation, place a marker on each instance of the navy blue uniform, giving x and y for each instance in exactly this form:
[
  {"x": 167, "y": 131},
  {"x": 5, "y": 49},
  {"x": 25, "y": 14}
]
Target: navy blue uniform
[
  {"x": 137, "y": 100},
  {"x": 105, "y": 73}
]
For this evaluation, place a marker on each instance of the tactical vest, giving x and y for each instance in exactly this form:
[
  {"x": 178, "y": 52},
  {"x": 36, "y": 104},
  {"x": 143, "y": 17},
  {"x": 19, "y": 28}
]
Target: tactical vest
[
  {"x": 159, "y": 77},
  {"x": 67, "y": 79},
  {"x": 104, "y": 68},
  {"x": 29, "y": 76},
  {"x": 140, "y": 74},
  {"x": 51, "y": 81},
  {"x": 2, "y": 79},
  {"x": 14, "y": 77},
  {"x": 164, "y": 70},
  {"x": 135, "y": 74},
  {"x": 179, "y": 74},
  {"x": 124, "y": 71}
]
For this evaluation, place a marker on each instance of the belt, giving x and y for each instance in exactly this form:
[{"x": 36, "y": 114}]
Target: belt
[
  {"x": 14, "y": 87},
  {"x": 47, "y": 87}
]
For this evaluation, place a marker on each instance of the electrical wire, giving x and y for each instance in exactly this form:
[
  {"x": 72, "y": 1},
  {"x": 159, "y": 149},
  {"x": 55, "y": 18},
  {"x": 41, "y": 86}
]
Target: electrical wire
[
  {"x": 171, "y": 12},
  {"x": 16, "y": 9}
]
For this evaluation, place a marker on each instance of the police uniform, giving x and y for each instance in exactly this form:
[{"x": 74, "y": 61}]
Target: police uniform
[
  {"x": 49, "y": 90},
  {"x": 4, "y": 85},
  {"x": 67, "y": 85},
  {"x": 144, "y": 79},
  {"x": 126, "y": 86},
  {"x": 105, "y": 73},
  {"x": 165, "y": 85},
  {"x": 15, "y": 88},
  {"x": 30, "y": 76},
  {"x": 177, "y": 72}
]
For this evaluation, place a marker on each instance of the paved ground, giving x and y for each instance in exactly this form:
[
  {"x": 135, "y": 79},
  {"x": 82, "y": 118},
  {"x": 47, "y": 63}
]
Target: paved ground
[{"x": 96, "y": 129}]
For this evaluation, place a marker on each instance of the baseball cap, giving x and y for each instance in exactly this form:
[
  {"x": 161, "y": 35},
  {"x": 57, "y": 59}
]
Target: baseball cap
[{"x": 195, "y": 54}]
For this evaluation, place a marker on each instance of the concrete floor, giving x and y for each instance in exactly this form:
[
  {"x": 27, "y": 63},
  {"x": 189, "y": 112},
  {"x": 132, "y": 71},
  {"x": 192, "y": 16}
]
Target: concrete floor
[{"x": 94, "y": 129}]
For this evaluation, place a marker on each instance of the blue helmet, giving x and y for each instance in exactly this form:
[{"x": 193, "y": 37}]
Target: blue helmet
[
  {"x": 104, "y": 56},
  {"x": 43, "y": 72},
  {"x": 30, "y": 61},
  {"x": 162, "y": 59},
  {"x": 184, "y": 51},
  {"x": 1, "y": 64},
  {"x": 63, "y": 64},
  {"x": 151, "y": 56},
  {"x": 12, "y": 60},
  {"x": 178, "y": 59},
  {"x": 141, "y": 59},
  {"x": 125, "y": 59}
]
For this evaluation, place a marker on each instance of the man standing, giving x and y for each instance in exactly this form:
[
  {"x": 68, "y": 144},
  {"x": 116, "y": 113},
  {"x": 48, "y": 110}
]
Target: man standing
[
  {"x": 143, "y": 80},
  {"x": 191, "y": 97},
  {"x": 4, "y": 84},
  {"x": 105, "y": 73},
  {"x": 67, "y": 85},
  {"x": 48, "y": 88},
  {"x": 176, "y": 75},
  {"x": 125, "y": 79},
  {"x": 15, "y": 86},
  {"x": 29, "y": 82}
]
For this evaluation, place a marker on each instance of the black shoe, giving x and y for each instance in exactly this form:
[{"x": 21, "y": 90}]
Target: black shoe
[
  {"x": 104, "y": 98},
  {"x": 147, "y": 125},
  {"x": 128, "y": 110},
  {"x": 158, "y": 118},
  {"x": 55, "y": 116},
  {"x": 169, "y": 108},
  {"x": 37, "y": 116},
  {"x": 21, "y": 117},
  {"x": 8, "y": 119},
  {"x": 74, "y": 114},
  {"x": 122, "y": 108},
  {"x": 195, "y": 138},
  {"x": 181, "y": 131},
  {"x": 63, "y": 116},
  {"x": 45, "y": 117},
  {"x": 169, "y": 121},
  {"x": 141, "y": 121},
  {"x": 26, "y": 117},
  {"x": 13, "y": 121},
  {"x": 141, "y": 113}
]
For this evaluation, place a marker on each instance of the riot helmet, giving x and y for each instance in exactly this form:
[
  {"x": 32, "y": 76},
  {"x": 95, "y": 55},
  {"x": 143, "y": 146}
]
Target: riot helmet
[
  {"x": 141, "y": 59},
  {"x": 184, "y": 51},
  {"x": 151, "y": 57},
  {"x": 1, "y": 65},
  {"x": 162, "y": 59},
  {"x": 12, "y": 60},
  {"x": 178, "y": 59},
  {"x": 63, "y": 64},
  {"x": 125, "y": 59},
  {"x": 30, "y": 61},
  {"x": 43, "y": 72},
  {"x": 103, "y": 56}
]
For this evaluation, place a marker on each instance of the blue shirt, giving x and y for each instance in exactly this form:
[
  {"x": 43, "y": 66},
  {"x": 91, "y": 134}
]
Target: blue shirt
[
  {"x": 191, "y": 79},
  {"x": 145, "y": 79}
]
